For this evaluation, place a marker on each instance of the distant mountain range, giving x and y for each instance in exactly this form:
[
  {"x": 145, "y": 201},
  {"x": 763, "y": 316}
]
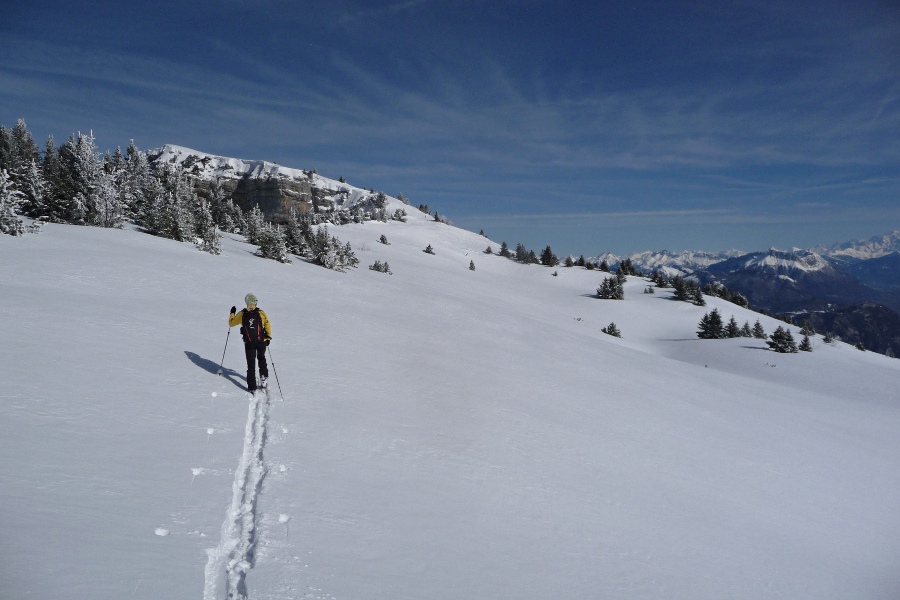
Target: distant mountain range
[{"x": 851, "y": 289}]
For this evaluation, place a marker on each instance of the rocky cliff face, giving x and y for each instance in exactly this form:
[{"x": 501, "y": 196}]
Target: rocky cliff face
[{"x": 274, "y": 188}]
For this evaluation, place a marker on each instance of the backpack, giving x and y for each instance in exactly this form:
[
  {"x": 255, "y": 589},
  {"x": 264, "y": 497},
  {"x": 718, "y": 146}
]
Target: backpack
[{"x": 252, "y": 326}]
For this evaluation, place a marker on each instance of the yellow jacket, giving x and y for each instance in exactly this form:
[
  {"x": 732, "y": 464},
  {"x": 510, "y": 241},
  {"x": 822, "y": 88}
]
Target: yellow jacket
[{"x": 238, "y": 318}]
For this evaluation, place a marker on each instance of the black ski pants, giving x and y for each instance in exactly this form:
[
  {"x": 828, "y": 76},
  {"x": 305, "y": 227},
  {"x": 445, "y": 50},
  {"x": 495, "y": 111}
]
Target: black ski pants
[{"x": 256, "y": 352}]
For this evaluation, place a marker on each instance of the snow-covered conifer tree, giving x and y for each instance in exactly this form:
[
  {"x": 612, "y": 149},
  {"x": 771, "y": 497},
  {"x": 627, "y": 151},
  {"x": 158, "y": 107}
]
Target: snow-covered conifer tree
[
  {"x": 272, "y": 244},
  {"x": 611, "y": 289},
  {"x": 34, "y": 192},
  {"x": 256, "y": 225},
  {"x": 10, "y": 223},
  {"x": 209, "y": 239}
]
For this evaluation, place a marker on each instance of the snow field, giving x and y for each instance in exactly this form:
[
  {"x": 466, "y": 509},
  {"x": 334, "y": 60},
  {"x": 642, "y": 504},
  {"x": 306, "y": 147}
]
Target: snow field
[{"x": 445, "y": 433}]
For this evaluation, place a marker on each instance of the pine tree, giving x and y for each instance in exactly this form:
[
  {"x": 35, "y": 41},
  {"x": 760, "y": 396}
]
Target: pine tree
[
  {"x": 711, "y": 327},
  {"x": 805, "y": 344},
  {"x": 206, "y": 231},
  {"x": 828, "y": 338},
  {"x": 504, "y": 250},
  {"x": 22, "y": 152},
  {"x": 604, "y": 266},
  {"x": 580, "y": 262},
  {"x": 488, "y": 250},
  {"x": 10, "y": 223},
  {"x": 782, "y": 341},
  {"x": 746, "y": 331},
  {"x": 758, "y": 331},
  {"x": 297, "y": 233},
  {"x": 570, "y": 262},
  {"x": 136, "y": 183},
  {"x": 532, "y": 258},
  {"x": 521, "y": 253},
  {"x": 732, "y": 330},
  {"x": 272, "y": 244},
  {"x": 548, "y": 259},
  {"x": 611, "y": 289},
  {"x": 34, "y": 192},
  {"x": 696, "y": 294},
  {"x": 256, "y": 225}
]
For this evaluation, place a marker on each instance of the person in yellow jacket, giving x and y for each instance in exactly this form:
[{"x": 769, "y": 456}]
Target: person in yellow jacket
[{"x": 257, "y": 333}]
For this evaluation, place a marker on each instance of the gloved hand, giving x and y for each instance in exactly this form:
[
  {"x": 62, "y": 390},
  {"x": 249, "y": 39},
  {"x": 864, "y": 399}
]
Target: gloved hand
[
  {"x": 233, "y": 309},
  {"x": 268, "y": 340}
]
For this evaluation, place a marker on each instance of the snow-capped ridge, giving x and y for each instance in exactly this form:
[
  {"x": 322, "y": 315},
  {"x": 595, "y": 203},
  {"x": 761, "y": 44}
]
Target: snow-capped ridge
[
  {"x": 874, "y": 247},
  {"x": 782, "y": 261}
]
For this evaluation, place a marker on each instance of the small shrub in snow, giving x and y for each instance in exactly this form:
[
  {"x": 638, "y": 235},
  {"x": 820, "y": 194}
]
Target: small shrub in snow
[
  {"x": 828, "y": 338},
  {"x": 489, "y": 250},
  {"x": 381, "y": 267},
  {"x": 383, "y": 240},
  {"x": 612, "y": 330},
  {"x": 471, "y": 265},
  {"x": 428, "y": 250}
]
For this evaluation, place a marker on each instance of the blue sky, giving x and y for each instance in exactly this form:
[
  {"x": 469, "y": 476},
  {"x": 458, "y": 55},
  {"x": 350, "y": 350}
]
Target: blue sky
[{"x": 589, "y": 126}]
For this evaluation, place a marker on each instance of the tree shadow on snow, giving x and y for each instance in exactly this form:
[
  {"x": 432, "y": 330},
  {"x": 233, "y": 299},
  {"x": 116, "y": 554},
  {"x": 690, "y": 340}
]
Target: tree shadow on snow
[{"x": 207, "y": 365}]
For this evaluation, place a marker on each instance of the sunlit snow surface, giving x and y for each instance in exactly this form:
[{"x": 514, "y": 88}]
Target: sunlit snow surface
[{"x": 445, "y": 433}]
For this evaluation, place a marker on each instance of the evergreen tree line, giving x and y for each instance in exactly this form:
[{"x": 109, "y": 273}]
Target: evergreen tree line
[
  {"x": 525, "y": 256},
  {"x": 77, "y": 185},
  {"x": 712, "y": 327}
]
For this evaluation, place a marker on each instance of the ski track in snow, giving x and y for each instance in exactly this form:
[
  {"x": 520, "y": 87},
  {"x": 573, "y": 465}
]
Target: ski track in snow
[{"x": 229, "y": 562}]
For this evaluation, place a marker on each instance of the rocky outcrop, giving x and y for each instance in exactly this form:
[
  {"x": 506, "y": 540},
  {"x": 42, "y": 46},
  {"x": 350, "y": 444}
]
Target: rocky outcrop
[{"x": 276, "y": 189}]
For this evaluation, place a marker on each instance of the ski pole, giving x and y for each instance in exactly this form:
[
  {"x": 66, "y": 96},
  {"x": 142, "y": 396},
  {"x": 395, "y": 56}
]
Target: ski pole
[
  {"x": 274, "y": 370},
  {"x": 223, "y": 351}
]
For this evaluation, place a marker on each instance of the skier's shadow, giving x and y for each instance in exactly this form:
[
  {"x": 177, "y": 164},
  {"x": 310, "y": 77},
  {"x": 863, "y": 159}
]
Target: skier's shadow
[{"x": 207, "y": 365}]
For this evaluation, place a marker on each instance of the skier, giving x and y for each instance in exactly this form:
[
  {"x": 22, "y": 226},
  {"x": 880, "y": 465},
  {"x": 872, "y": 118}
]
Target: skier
[{"x": 257, "y": 333}]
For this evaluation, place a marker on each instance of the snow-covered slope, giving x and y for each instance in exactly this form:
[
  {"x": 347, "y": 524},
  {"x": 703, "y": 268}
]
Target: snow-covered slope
[{"x": 445, "y": 433}]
